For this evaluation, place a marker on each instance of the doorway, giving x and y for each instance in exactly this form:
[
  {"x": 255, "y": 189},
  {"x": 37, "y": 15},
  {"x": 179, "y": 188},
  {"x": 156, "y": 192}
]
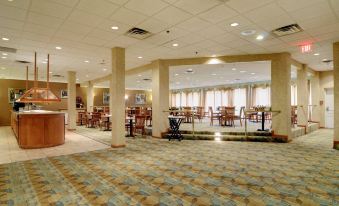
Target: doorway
[{"x": 329, "y": 108}]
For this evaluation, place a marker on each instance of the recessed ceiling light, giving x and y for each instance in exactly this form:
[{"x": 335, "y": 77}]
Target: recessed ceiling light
[
  {"x": 114, "y": 27},
  {"x": 235, "y": 24},
  {"x": 10, "y": 0},
  {"x": 214, "y": 74},
  {"x": 5, "y": 54},
  {"x": 324, "y": 60},
  {"x": 138, "y": 81},
  {"x": 234, "y": 69},
  {"x": 175, "y": 44},
  {"x": 4, "y": 57},
  {"x": 253, "y": 73},
  {"x": 176, "y": 74},
  {"x": 248, "y": 32},
  {"x": 140, "y": 57},
  {"x": 50, "y": 72},
  {"x": 77, "y": 79},
  {"x": 5, "y": 39},
  {"x": 86, "y": 61},
  {"x": 58, "y": 48},
  {"x": 242, "y": 71},
  {"x": 316, "y": 54},
  {"x": 139, "y": 75},
  {"x": 104, "y": 70},
  {"x": 260, "y": 37}
]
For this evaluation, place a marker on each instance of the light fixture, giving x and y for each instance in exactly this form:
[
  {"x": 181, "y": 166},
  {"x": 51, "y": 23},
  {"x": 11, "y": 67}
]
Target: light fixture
[
  {"x": 176, "y": 74},
  {"x": 4, "y": 57},
  {"x": 5, "y": 39},
  {"x": 126, "y": 96},
  {"x": 58, "y": 48},
  {"x": 50, "y": 72},
  {"x": 87, "y": 75},
  {"x": 248, "y": 32},
  {"x": 86, "y": 61},
  {"x": 139, "y": 75},
  {"x": 104, "y": 69},
  {"x": 114, "y": 27},
  {"x": 260, "y": 37},
  {"x": 5, "y": 54},
  {"x": 44, "y": 62},
  {"x": 242, "y": 71},
  {"x": 214, "y": 74},
  {"x": 77, "y": 79},
  {"x": 175, "y": 44},
  {"x": 10, "y": 0},
  {"x": 253, "y": 73},
  {"x": 316, "y": 54},
  {"x": 138, "y": 81},
  {"x": 140, "y": 57},
  {"x": 234, "y": 69},
  {"x": 235, "y": 24}
]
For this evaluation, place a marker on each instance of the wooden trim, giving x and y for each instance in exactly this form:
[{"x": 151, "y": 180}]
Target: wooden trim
[
  {"x": 118, "y": 146},
  {"x": 282, "y": 138},
  {"x": 336, "y": 145},
  {"x": 71, "y": 130}
]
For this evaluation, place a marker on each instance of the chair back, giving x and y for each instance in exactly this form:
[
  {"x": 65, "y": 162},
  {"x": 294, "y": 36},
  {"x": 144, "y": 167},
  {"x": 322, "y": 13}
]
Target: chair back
[{"x": 140, "y": 121}]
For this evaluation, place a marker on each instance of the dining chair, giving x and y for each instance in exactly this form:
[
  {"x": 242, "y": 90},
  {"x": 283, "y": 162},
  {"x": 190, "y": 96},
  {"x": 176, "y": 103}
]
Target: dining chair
[
  {"x": 213, "y": 116},
  {"x": 140, "y": 124}
]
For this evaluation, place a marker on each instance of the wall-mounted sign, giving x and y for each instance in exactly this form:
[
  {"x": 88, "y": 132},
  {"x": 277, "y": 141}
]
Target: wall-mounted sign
[{"x": 306, "y": 48}]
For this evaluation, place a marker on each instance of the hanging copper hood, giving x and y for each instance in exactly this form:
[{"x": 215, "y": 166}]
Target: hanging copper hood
[{"x": 37, "y": 94}]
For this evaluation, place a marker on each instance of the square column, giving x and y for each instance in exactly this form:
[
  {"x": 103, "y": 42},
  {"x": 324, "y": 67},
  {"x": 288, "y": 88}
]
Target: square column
[
  {"x": 336, "y": 94},
  {"x": 160, "y": 98},
  {"x": 281, "y": 96},
  {"x": 117, "y": 97},
  {"x": 90, "y": 97},
  {"x": 71, "y": 101},
  {"x": 315, "y": 92},
  {"x": 302, "y": 97}
]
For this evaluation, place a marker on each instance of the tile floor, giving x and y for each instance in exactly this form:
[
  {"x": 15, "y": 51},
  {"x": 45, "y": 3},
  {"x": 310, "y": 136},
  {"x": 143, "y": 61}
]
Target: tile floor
[{"x": 10, "y": 151}]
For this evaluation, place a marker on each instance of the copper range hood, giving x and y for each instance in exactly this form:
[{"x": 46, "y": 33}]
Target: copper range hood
[{"x": 37, "y": 94}]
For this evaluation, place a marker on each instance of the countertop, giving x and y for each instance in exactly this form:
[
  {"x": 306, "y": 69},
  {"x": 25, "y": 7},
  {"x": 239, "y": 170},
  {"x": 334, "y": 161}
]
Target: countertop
[{"x": 37, "y": 112}]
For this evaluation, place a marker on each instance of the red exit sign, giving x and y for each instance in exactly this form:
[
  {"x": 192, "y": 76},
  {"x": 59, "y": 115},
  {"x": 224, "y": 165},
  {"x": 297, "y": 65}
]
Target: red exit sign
[{"x": 306, "y": 48}]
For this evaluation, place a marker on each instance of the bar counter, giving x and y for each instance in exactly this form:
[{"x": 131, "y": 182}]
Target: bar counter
[{"x": 38, "y": 128}]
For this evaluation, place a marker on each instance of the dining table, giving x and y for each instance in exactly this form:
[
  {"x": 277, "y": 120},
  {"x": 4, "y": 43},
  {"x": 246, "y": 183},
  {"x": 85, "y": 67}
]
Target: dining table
[{"x": 106, "y": 119}]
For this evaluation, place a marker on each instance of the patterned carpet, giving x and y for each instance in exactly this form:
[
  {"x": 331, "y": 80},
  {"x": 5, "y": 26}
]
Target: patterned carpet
[{"x": 159, "y": 172}]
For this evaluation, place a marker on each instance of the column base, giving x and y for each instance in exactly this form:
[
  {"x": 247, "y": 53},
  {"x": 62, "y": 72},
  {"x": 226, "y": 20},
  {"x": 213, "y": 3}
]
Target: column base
[
  {"x": 280, "y": 138},
  {"x": 118, "y": 146},
  {"x": 336, "y": 145}
]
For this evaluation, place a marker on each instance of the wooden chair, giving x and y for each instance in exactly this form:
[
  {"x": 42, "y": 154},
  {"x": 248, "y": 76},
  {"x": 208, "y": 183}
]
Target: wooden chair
[
  {"x": 94, "y": 119},
  {"x": 294, "y": 116},
  {"x": 200, "y": 113},
  {"x": 140, "y": 124},
  {"x": 214, "y": 116},
  {"x": 228, "y": 115}
]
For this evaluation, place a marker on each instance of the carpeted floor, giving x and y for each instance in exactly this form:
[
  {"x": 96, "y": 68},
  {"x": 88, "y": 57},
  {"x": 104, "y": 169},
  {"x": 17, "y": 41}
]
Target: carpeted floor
[{"x": 159, "y": 172}]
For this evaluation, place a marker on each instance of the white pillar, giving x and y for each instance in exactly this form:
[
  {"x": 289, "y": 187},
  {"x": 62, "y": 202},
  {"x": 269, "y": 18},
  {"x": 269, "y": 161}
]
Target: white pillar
[
  {"x": 302, "y": 97},
  {"x": 281, "y": 96},
  {"x": 315, "y": 90},
  {"x": 160, "y": 99},
  {"x": 117, "y": 97},
  {"x": 90, "y": 97},
  {"x": 336, "y": 94},
  {"x": 71, "y": 102}
]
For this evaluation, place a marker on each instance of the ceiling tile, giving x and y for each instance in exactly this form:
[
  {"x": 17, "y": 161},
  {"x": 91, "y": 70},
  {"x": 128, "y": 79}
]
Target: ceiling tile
[
  {"x": 291, "y": 5},
  {"x": 146, "y": 7},
  {"x": 127, "y": 16},
  {"x": 218, "y": 13},
  {"x": 10, "y": 23},
  {"x": 196, "y": 6},
  {"x": 22, "y": 4},
  {"x": 246, "y": 5},
  {"x": 107, "y": 26},
  {"x": 153, "y": 25},
  {"x": 43, "y": 20},
  {"x": 315, "y": 10},
  {"x": 102, "y": 34},
  {"x": 101, "y": 8},
  {"x": 75, "y": 27},
  {"x": 93, "y": 41},
  {"x": 260, "y": 14},
  {"x": 49, "y": 8},
  {"x": 12, "y": 12},
  {"x": 85, "y": 18},
  {"x": 194, "y": 24},
  {"x": 172, "y": 15},
  {"x": 191, "y": 39},
  {"x": 69, "y": 3},
  {"x": 119, "y": 2}
]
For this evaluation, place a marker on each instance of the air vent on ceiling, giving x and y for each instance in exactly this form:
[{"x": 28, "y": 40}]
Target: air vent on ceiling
[
  {"x": 23, "y": 61},
  {"x": 138, "y": 33},
  {"x": 287, "y": 30},
  {"x": 327, "y": 61},
  {"x": 57, "y": 76},
  {"x": 147, "y": 79},
  {"x": 7, "y": 49}
]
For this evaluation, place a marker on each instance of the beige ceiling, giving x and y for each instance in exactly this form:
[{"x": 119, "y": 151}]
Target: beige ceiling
[{"x": 83, "y": 29}]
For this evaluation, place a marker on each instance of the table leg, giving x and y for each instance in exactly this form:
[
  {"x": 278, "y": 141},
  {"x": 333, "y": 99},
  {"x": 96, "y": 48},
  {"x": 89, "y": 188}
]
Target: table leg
[{"x": 131, "y": 128}]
